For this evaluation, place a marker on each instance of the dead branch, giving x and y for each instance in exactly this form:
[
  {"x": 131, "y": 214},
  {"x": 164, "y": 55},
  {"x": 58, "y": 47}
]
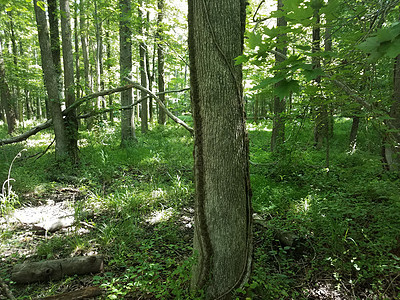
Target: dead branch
[
  {"x": 56, "y": 269},
  {"x": 175, "y": 119},
  {"x": 49, "y": 122},
  {"x": 88, "y": 292}
]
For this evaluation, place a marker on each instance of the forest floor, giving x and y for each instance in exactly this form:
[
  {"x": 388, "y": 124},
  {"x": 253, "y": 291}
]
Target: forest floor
[{"x": 321, "y": 232}]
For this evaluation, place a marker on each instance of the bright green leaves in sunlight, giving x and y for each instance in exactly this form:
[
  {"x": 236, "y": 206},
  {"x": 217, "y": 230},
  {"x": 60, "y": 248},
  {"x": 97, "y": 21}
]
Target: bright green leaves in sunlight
[{"x": 386, "y": 42}]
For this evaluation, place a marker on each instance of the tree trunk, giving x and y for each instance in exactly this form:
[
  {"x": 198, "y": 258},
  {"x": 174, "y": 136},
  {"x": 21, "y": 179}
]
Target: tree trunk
[
  {"x": 127, "y": 121},
  {"x": 71, "y": 122},
  {"x": 5, "y": 96},
  {"x": 143, "y": 72},
  {"x": 321, "y": 114},
  {"x": 50, "y": 81},
  {"x": 223, "y": 218},
  {"x": 278, "y": 129},
  {"x": 392, "y": 137},
  {"x": 55, "y": 42},
  {"x": 85, "y": 55},
  {"x": 353, "y": 133}
]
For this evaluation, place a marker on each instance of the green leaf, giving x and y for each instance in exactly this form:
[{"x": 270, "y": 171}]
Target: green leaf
[
  {"x": 41, "y": 4},
  {"x": 269, "y": 81},
  {"x": 254, "y": 40},
  {"x": 312, "y": 74},
  {"x": 241, "y": 59},
  {"x": 286, "y": 87}
]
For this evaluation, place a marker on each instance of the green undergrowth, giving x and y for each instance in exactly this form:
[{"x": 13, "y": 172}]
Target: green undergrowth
[{"x": 135, "y": 208}]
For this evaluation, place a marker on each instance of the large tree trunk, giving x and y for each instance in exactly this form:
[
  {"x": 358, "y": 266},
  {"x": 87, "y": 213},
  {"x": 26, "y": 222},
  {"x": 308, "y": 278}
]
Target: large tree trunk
[
  {"x": 50, "y": 81},
  {"x": 278, "y": 130},
  {"x": 127, "y": 121},
  {"x": 223, "y": 219},
  {"x": 55, "y": 41},
  {"x": 68, "y": 62}
]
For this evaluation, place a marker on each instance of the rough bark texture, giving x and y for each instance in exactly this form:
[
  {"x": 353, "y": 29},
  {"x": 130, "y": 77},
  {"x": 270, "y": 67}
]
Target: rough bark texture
[
  {"x": 50, "y": 81},
  {"x": 71, "y": 122},
  {"x": 127, "y": 120},
  {"x": 160, "y": 58},
  {"x": 55, "y": 41},
  {"x": 223, "y": 220},
  {"x": 278, "y": 130},
  {"x": 56, "y": 269}
]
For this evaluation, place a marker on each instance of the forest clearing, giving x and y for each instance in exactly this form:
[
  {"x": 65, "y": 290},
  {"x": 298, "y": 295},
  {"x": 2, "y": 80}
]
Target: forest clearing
[{"x": 200, "y": 150}]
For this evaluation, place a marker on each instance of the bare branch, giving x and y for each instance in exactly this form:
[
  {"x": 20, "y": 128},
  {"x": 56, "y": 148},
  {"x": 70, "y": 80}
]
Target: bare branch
[{"x": 177, "y": 120}]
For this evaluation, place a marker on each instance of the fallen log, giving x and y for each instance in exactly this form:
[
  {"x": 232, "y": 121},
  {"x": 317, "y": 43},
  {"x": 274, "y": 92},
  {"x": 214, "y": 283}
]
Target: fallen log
[
  {"x": 87, "y": 292},
  {"x": 56, "y": 269}
]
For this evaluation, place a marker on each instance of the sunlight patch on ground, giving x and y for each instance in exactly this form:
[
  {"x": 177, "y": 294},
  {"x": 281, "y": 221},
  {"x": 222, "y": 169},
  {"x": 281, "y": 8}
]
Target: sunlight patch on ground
[
  {"x": 257, "y": 127},
  {"x": 160, "y": 216},
  {"x": 45, "y": 139},
  {"x": 158, "y": 193}
]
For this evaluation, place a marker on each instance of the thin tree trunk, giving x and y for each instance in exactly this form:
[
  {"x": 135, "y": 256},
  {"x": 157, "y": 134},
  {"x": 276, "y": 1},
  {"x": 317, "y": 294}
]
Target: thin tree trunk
[
  {"x": 278, "y": 129},
  {"x": 50, "y": 81},
  {"x": 5, "y": 96},
  {"x": 353, "y": 133},
  {"x": 223, "y": 217},
  {"x": 321, "y": 114},
  {"x": 127, "y": 121},
  {"x": 84, "y": 43},
  {"x": 69, "y": 83},
  {"x": 143, "y": 72}
]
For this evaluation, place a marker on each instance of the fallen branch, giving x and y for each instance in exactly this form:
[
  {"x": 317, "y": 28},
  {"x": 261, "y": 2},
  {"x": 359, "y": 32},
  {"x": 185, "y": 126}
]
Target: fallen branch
[
  {"x": 56, "y": 269},
  {"x": 84, "y": 293},
  {"x": 161, "y": 104}
]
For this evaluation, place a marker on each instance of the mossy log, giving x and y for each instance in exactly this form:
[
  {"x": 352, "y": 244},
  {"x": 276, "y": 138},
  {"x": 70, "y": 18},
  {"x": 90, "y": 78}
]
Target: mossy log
[{"x": 56, "y": 269}]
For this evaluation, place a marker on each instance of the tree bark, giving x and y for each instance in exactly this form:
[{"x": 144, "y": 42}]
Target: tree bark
[
  {"x": 391, "y": 153},
  {"x": 5, "y": 96},
  {"x": 55, "y": 42},
  {"x": 143, "y": 72},
  {"x": 321, "y": 114},
  {"x": 223, "y": 218},
  {"x": 71, "y": 123},
  {"x": 83, "y": 32},
  {"x": 127, "y": 120},
  {"x": 50, "y": 81},
  {"x": 353, "y": 133},
  {"x": 278, "y": 129}
]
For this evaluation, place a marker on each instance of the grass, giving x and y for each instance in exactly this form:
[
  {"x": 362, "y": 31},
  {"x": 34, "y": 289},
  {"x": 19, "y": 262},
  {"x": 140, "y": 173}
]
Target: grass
[{"x": 134, "y": 207}]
